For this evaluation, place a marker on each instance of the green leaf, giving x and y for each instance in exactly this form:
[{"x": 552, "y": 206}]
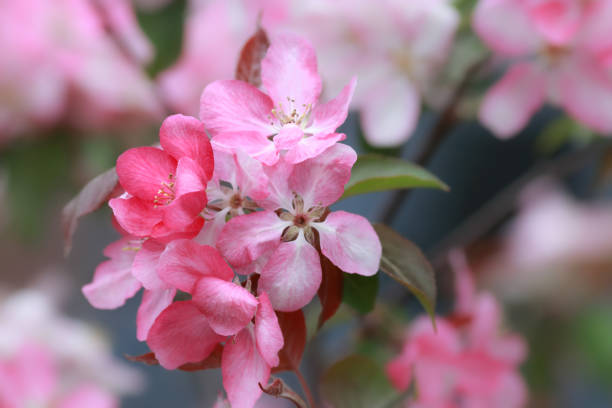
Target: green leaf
[
  {"x": 404, "y": 262},
  {"x": 373, "y": 172},
  {"x": 356, "y": 382},
  {"x": 360, "y": 292}
]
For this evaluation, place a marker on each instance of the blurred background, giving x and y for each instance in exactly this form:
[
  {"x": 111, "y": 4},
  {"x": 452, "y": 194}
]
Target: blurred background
[{"x": 530, "y": 180}]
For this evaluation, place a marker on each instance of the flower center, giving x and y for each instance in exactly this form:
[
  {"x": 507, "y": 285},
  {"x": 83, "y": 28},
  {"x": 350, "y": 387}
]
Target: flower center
[
  {"x": 165, "y": 194},
  {"x": 300, "y": 220},
  {"x": 236, "y": 201},
  {"x": 296, "y": 115}
]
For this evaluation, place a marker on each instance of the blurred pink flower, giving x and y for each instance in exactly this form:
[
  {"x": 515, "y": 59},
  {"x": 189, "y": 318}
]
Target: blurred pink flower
[
  {"x": 72, "y": 61},
  {"x": 466, "y": 362},
  {"x": 563, "y": 48},
  {"x": 393, "y": 46},
  {"x": 215, "y": 31}
]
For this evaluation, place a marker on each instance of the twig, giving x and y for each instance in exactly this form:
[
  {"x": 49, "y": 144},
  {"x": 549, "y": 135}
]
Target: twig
[
  {"x": 492, "y": 212},
  {"x": 444, "y": 124},
  {"x": 305, "y": 388}
]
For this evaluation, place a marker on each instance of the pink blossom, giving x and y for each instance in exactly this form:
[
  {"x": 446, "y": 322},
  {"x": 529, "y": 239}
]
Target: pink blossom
[
  {"x": 563, "y": 49},
  {"x": 67, "y": 68},
  {"x": 165, "y": 188},
  {"x": 288, "y": 119},
  {"x": 203, "y": 60},
  {"x": 395, "y": 47},
  {"x": 132, "y": 265},
  {"x": 32, "y": 378},
  {"x": 188, "y": 331},
  {"x": 280, "y": 241},
  {"x": 466, "y": 362}
]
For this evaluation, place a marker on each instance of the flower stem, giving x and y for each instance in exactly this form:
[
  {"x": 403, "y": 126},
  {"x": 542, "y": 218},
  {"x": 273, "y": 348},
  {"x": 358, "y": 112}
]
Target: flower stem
[{"x": 305, "y": 388}]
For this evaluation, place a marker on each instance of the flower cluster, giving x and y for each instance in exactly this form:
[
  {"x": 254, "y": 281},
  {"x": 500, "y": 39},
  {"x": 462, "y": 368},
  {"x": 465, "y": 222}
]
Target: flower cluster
[
  {"x": 562, "y": 49},
  {"x": 466, "y": 362},
  {"x": 49, "y": 360},
  {"x": 240, "y": 223}
]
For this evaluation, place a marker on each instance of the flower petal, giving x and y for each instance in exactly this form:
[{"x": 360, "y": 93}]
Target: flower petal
[
  {"x": 255, "y": 144},
  {"x": 288, "y": 137},
  {"x": 329, "y": 116},
  {"x": 246, "y": 237},
  {"x": 268, "y": 334},
  {"x": 243, "y": 368},
  {"x": 184, "y": 136},
  {"x": 390, "y": 112},
  {"x": 321, "y": 180},
  {"x": 312, "y": 146},
  {"x": 289, "y": 71},
  {"x": 229, "y": 307},
  {"x": 504, "y": 26},
  {"x": 136, "y": 216},
  {"x": 184, "y": 262},
  {"x": 153, "y": 303},
  {"x": 180, "y": 335},
  {"x": 144, "y": 267},
  {"x": 350, "y": 242},
  {"x": 88, "y": 396},
  {"x": 235, "y": 106},
  {"x": 292, "y": 276},
  {"x": 510, "y": 103},
  {"x": 142, "y": 170}
]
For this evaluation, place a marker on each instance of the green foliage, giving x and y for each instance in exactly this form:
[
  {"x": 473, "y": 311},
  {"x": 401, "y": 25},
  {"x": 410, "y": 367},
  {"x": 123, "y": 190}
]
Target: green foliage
[
  {"x": 360, "y": 292},
  {"x": 404, "y": 262},
  {"x": 164, "y": 28},
  {"x": 374, "y": 172},
  {"x": 559, "y": 132},
  {"x": 356, "y": 382}
]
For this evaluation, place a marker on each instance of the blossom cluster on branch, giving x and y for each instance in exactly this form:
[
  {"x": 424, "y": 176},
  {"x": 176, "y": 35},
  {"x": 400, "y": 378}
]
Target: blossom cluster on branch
[{"x": 240, "y": 223}]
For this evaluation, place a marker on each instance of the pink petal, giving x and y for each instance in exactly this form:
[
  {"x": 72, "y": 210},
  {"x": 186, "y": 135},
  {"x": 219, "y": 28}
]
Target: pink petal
[
  {"x": 350, "y": 242},
  {"x": 144, "y": 267},
  {"x": 190, "y": 190},
  {"x": 180, "y": 335},
  {"x": 510, "y": 103},
  {"x": 280, "y": 194},
  {"x": 35, "y": 372},
  {"x": 268, "y": 334},
  {"x": 184, "y": 136},
  {"x": 289, "y": 70},
  {"x": 89, "y": 396},
  {"x": 184, "y": 262},
  {"x": 167, "y": 233},
  {"x": 142, "y": 171},
  {"x": 235, "y": 106},
  {"x": 255, "y": 144},
  {"x": 246, "y": 237},
  {"x": 250, "y": 176},
  {"x": 556, "y": 20},
  {"x": 113, "y": 282},
  {"x": 321, "y": 180},
  {"x": 329, "y": 116},
  {"x": 229, "y": 307},
  {"x": 390, "y": 113},
  {"x": 243, "y": 368},
  {"x": 136, "y": 216},
  {"x": 288, "y": 137},
  {"x": 504, "y": 26},
  {"x": 586, "y": 93},
  {"x": 292, "y": 276},
  {"x": 313, "y": 146},
  {"x": 153, "y": 303}
]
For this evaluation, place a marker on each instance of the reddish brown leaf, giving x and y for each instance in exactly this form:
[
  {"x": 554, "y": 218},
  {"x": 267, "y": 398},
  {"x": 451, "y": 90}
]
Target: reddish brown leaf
[
  {"x": 90, "y": 198},
  {"x": 293, "y": 327},
  {"x": 147, "y": 358},
  {"x": 212, "y": 361},
  {"x": 248, "y": 68},
  {"x": 330, "y": 291},
  {"x": 279, "y": 389}
]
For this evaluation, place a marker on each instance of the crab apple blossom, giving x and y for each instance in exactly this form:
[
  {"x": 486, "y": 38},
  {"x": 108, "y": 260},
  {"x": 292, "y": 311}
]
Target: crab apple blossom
[
  {"x": 188, "y": 331},
  {"x": 395, "y": 47},
  {"x": 281, "y": 242},
  {"x": 132, "y": 266},
  {"x": 287, "y": 119},
  {"x": 563, "y": 53},
  {"x": 165, "y": 188},
  {"x": 466, "y": 362}
]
